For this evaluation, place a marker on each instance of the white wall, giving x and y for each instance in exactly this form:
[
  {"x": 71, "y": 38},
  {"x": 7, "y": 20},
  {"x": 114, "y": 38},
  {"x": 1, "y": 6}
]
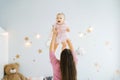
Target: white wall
[
  {"x": 3, "y": 50},
  {"x": 100, "y": 61}
]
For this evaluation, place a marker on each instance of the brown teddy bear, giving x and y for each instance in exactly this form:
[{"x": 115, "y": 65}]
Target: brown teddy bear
[{"x": 11, "y": 72}]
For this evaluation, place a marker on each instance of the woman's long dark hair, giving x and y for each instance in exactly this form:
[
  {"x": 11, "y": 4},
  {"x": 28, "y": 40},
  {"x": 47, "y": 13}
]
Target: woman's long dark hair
[{"x": 67, "y": 65}]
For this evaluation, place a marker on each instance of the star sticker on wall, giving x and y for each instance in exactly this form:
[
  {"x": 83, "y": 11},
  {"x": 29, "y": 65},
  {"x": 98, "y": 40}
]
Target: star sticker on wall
[
  {"x": 38, "y": 36},
  {"x": 26, "y": 38},
  {"x": 17, "y": 56},
  {"x": 39, "y": 50},
  {"x": 28, "y": 44},
  {"x": 90, "y": 29},
  {"x": 81, "y": 34},
  {"x": 80, "y": 51},
  {"x": 97, "y": 66}
]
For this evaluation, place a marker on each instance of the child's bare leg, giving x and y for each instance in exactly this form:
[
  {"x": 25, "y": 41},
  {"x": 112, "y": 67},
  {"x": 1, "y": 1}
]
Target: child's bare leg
[
  {"x": 63, "y": 45},
  {"x": 69, "y": 44}
]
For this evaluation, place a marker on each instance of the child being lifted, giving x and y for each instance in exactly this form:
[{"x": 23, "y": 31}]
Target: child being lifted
[{"x": 62, "y": 30}]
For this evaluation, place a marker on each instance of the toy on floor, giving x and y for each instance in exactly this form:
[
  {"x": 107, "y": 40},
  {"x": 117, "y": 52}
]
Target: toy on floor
[
  {"x": 62, "y": 29},
  {"x": 11, "y": 72}
]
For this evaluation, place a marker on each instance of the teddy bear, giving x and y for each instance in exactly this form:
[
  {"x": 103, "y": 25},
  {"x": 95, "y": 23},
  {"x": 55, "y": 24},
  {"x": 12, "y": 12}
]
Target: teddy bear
[{"x": 11, "y": 72}]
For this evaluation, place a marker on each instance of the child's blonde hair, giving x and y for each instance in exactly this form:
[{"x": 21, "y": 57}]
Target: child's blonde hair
[{"x": 61, "y": 14}]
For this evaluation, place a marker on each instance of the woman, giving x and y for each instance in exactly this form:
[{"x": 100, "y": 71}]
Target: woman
[{"x": 65, "y": 68}]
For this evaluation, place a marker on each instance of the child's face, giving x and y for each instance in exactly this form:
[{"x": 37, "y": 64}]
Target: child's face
[{"x": 60, "y": 19}]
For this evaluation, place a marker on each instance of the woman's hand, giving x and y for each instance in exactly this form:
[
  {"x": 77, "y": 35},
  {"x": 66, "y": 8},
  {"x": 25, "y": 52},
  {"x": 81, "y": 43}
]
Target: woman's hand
[
  {"x": 54, "y": 30},
  {"x": 52, "y": 44}
]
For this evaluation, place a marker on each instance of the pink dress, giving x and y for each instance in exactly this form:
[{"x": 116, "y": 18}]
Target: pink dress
[
  {"x": 56, "y": 65},
  {"x": 62, "y": 33}
]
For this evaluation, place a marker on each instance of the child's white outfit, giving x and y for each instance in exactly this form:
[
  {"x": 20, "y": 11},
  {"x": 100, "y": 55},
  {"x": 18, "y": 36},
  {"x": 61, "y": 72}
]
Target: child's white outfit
[{"x": 62, "y": 33}]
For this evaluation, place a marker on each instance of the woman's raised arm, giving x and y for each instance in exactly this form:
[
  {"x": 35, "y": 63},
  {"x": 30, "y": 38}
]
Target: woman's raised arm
[
  {"x": 52, "y": 44},
  {"x": 73, "y": 52}
]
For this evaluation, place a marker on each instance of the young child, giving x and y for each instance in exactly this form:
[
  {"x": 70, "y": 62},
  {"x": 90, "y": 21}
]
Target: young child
[{"x": 62, "y": 30}]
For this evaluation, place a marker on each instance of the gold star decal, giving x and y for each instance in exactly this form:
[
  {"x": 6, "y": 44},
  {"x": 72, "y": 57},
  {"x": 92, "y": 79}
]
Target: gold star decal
[
  {"x": 17, "y": 56},
  {"x": 26, "y": 38},
  {"x": 90, "y": 29},
  {"x": 39, "y": 51}
]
